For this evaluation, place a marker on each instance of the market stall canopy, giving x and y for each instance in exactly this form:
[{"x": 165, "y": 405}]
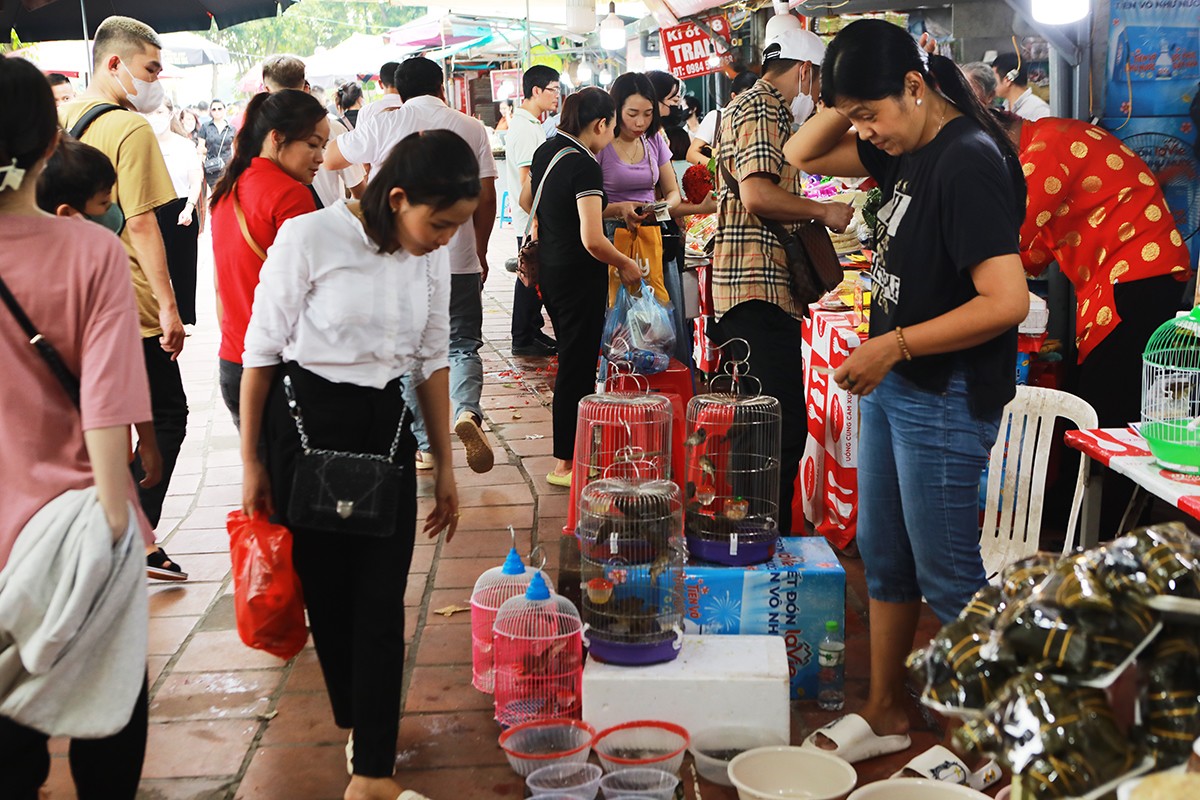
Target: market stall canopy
[
  {"x": 191, "y": 50},
  {"x": 361, "y": 54},
  {"x": 44, "y": 20},
  {"x": 540, "y": 12}
]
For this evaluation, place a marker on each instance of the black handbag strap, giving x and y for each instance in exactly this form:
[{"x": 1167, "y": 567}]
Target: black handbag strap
[
  {"x": 46, "y": 350},
  {"x": 90, "y": 116},
  {"x": 781, "y": 233}
]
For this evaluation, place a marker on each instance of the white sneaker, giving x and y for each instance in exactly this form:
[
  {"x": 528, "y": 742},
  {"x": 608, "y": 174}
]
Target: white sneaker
[
  {"x": 479, "y": 453},
  {"x": 423, "y": 460}
]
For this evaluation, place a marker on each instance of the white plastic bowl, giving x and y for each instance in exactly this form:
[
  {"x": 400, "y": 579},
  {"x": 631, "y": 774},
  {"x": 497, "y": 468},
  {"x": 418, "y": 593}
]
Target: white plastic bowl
[
  {"x": 712, "y": 749},
  {"x": 643, "y": 783},
  {"x": 540, "y": 743},
  {"x": 916, "y": 789},
  {"x": 576, "y": 780},
  {"x": 771, "y": 773}
]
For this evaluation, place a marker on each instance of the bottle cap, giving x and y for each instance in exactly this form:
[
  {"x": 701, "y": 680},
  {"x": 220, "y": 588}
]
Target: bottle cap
[{"x": 831, "y": 625}]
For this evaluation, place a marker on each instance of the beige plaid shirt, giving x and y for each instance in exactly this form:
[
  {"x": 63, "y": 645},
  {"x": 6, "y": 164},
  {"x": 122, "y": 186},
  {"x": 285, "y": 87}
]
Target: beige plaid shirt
[{"x": 748, "y": 262}]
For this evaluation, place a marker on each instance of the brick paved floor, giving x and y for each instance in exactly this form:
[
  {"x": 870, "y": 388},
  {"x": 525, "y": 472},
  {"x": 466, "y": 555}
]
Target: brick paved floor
[{"x": 230, "y": 722}]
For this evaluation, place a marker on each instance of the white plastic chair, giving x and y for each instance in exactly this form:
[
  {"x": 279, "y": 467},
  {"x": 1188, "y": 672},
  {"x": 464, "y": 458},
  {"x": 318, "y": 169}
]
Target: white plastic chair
[{"x": 1012, "y": 520}]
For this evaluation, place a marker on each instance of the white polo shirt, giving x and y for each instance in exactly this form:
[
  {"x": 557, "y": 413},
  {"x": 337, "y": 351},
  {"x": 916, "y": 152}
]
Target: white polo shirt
[
  {"x": 371, "y": 143},
  {"x": 525, "y": 136},
  {"x": 372, "y": 109}
]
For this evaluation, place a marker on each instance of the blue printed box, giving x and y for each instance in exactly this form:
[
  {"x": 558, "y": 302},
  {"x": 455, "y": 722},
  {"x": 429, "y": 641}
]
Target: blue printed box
[{"x": 792, "y": 596}]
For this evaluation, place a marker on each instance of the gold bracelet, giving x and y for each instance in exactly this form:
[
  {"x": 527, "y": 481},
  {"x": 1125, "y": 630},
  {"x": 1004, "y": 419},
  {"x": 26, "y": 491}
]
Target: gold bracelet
[{"x": 903, "y": 344}]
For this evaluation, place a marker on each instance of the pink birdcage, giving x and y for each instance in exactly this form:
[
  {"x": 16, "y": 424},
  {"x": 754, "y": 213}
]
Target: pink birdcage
[
  {"x": 491, "y": 590},
  {"x": 620, "y": 435},
  {"x": 538, "y": 648}
]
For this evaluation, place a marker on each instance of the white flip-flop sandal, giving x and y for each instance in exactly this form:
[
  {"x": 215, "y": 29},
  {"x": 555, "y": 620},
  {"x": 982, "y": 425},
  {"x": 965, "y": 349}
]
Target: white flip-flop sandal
[
  {"x": 940, "y": 764},
  {"x": 854, "y": 740},
  {"x": 409, "y": 794}
]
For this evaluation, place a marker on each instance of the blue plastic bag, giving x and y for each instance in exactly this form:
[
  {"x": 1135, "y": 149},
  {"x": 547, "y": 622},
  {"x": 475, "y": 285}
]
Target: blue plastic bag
[{"x": 638, "y": 333}]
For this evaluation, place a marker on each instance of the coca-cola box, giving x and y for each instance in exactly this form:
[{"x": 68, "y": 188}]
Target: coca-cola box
[{"x": 793, "y": 595}]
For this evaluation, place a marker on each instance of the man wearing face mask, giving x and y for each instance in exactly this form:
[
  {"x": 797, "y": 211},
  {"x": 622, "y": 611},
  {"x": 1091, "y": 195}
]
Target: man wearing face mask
[
  {"x": 127, "y": 61},
  {"x": 811, "y": 52},
  {"x": 751, "y": 287}
]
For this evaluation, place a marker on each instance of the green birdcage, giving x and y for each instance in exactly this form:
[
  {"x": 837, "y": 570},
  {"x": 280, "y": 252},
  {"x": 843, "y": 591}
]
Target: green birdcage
[{"x": 1171, "y": 393}]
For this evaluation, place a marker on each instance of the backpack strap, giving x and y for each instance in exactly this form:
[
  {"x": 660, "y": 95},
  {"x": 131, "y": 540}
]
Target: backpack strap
[{"x": 90, "y": 116}]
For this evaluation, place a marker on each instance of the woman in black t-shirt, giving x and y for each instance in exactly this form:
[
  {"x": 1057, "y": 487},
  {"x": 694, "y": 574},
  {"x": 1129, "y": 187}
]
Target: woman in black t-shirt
[
  {"x": 575, "y": 255},
  {"x": 939, "y": 366}
]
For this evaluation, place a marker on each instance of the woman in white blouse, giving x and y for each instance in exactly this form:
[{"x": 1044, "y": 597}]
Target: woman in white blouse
[
  {"x": 180, "y": 220},
  {"x": 350, "y": 298}
]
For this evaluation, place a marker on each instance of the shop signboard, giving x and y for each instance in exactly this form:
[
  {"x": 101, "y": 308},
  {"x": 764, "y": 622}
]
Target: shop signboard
[
  {"x": 1153, "y": 57},
  {"x": 506, "y": 85},
  {"x": 690, "y": 51}
]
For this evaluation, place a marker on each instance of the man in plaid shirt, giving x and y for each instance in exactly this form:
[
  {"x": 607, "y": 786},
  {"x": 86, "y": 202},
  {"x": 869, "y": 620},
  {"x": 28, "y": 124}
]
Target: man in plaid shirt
[{"x": 752, "y": 297}]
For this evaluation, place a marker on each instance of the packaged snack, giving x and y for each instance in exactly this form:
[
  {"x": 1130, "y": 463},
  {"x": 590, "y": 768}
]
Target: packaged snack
[
  {"x": 956, "y": 677},
  {"x": 1170, "y": 702},
  {"x": 1019, "y": 578},
  {"x": 1060, "y": 741},
  {"x": 1162, "y": 560}
]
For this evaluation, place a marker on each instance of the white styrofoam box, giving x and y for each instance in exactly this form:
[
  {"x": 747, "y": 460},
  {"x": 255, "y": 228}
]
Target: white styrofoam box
[
  {"x": 1039, "y": 317},
  {"x": 716, "y": 681}
]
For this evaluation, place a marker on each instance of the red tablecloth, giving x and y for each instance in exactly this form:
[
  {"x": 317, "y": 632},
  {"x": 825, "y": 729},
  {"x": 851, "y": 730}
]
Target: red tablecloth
[{"x": 827, "y": 486}]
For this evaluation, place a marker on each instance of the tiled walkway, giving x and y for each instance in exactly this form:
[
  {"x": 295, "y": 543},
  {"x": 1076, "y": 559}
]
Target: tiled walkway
[{"x": 231, "y": 722}]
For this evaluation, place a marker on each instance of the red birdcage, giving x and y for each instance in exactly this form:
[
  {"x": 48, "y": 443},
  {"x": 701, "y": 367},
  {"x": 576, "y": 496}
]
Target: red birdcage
[
  {"x": 620, "y": 435},
  {"x": 492, "y": 589},
  {"x": 538, "y": 648}
]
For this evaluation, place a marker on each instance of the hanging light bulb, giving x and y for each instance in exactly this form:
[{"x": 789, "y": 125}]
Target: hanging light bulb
[
  {"x": 612, "y": 30},
  {"x": 584, "y": 72},
  {"x": 581, "y": 16},
  {"x": 1060, "y": 12},
  {"x": 606, "y": 76},
  {"x": 781, "y": 22}
]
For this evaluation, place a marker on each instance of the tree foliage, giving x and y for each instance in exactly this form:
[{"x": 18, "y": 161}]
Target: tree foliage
[{"x": 308, "y": 25}]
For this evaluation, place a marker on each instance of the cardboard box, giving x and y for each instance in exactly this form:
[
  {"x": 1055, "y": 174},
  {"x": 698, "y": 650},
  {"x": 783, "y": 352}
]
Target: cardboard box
[{"x": 791, "y": 596}]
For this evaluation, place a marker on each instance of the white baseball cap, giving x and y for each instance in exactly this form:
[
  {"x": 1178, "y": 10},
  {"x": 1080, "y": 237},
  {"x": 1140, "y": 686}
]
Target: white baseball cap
[{"x": 795, "y": 44}]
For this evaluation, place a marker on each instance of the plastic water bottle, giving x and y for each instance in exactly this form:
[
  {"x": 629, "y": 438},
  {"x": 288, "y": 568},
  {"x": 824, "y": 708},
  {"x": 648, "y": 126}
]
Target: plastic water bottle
[
  {"x": 831, "y": 680},
  {"x": 646, "y": 362}
]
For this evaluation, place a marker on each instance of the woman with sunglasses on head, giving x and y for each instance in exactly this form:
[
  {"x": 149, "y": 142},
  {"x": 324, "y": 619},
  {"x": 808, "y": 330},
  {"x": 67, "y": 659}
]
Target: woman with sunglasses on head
[{"x": 939, "y": 365}]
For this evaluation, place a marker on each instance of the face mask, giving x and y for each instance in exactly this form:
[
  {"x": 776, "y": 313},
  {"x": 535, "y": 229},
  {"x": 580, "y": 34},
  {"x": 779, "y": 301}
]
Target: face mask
[
  {"x": 113, "y": 219},
  {"x": 150, "y": 95},
  {"x": 675, "y": 117},
  {"x": 803, "y": 105},
  {"x": 159, "y": 124}
]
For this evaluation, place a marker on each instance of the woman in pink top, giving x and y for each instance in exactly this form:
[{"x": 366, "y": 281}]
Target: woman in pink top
[
  {"x": 71, "y": 277},
  {"x": 276, "y": 156}
]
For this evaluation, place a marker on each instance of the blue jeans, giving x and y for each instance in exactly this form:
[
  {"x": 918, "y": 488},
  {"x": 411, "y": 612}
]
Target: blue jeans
[
  {"x": 920, "y": 458},
  {"x": 466, "y": 367}
]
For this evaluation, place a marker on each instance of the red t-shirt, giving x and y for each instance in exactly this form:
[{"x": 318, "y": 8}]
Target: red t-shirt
[
  {"x": 1096, "y": 209},
  {"x": 269, "y": 197}
]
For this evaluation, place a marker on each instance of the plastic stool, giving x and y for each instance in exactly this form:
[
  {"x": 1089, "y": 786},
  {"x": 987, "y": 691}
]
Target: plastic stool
[{"x": 505, "y": 210}]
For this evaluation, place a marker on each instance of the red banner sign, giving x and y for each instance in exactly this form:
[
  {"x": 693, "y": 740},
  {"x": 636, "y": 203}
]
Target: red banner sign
[{"x": 689, "y": 50}]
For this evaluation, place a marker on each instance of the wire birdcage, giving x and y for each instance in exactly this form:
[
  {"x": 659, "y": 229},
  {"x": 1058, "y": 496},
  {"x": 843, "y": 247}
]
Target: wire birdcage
[
  {"x": 1171, "y": 393},
  {"x": 732, "y": 459},
  {"x": 619, "y": 435},
  {"x": 538, "y": 647},
  {"x": 632, "y": 557},
  {"x": 491, "y": 590}
]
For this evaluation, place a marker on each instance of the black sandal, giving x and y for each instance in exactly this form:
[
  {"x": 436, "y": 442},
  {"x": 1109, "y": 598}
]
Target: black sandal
[{"x": 160, "y": 567}]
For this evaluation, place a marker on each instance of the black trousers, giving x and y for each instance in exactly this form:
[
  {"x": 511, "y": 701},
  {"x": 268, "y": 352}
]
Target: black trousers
[
  {"x": 527, "y": 311},
  {"x": 353, "y": 585},
  {"x": 180, "y": 243},
  {"x": 576, "y": 297},
  {"x": 103, "y": 769},
  {"x": 1111, "y": 380},
  {"x": 774, "y": 337},
  {"x": 168, "y": 404}
]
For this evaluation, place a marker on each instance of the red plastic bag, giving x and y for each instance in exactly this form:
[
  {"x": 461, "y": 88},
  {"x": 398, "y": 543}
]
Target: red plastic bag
[{"x": 267, "y": 599}]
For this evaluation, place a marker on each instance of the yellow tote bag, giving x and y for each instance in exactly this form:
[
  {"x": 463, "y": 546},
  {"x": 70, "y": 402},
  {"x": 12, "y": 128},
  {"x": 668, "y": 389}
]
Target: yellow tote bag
[{"x": 647, "y": 245}]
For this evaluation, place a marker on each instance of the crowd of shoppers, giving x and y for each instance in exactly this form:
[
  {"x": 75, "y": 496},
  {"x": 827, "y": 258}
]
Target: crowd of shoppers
[{"x": 350, "y": 250}]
